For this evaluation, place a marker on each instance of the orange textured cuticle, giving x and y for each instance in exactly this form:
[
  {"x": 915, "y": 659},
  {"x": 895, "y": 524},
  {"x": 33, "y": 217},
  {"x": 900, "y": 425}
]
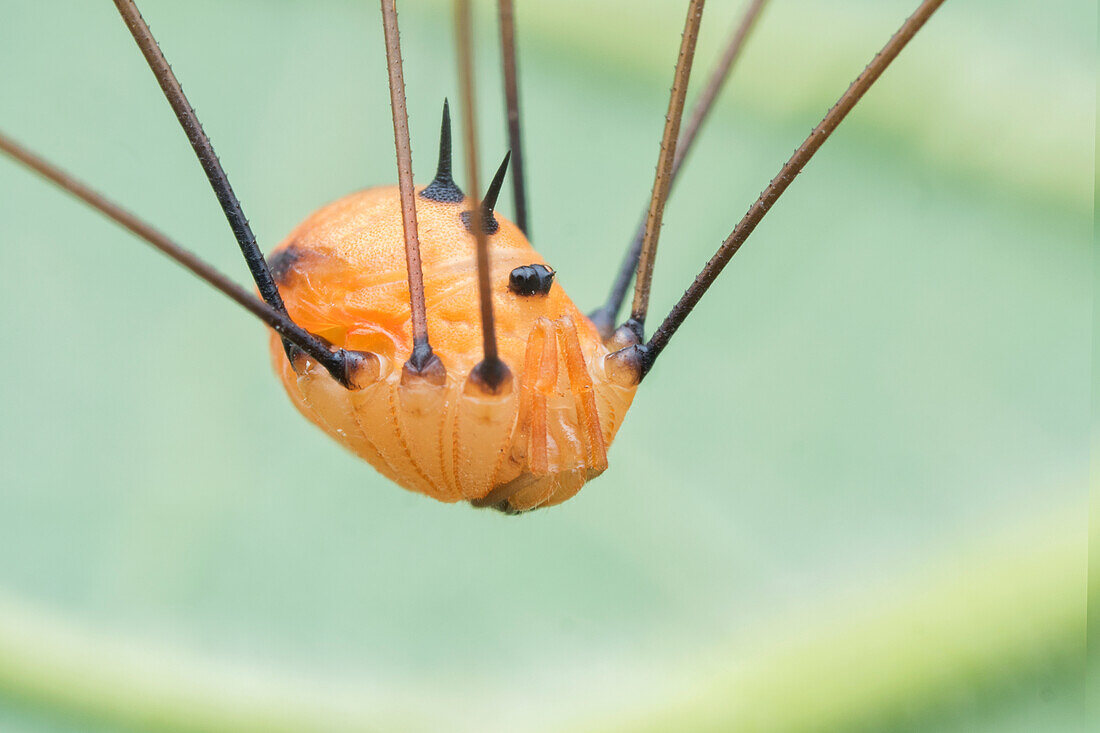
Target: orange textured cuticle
[{"x": 342, "y": 274}]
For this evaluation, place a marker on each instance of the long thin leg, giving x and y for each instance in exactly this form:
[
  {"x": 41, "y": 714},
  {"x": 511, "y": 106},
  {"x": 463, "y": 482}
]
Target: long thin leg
[
  {"x": 336, "y": 363},
  {"x": 663, "y": 179},
  {"x": 205, "y": 152},
  {"x": 784, "y": 178},
  {"x": 604, "y": 317},
  {"x": 511, "y": 99},
  {"x": 490, "y": 374},
  {"x": 422, "y": 356}
]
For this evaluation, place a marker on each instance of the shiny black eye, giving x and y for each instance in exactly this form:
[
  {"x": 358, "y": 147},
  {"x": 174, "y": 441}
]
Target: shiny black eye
[{"x": 531, "y": 280}]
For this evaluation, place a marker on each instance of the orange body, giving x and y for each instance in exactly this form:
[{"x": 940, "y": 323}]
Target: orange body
[{"x": 342, "y": 273}]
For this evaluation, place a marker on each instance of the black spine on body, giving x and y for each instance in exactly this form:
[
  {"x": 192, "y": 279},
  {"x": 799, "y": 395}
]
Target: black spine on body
[
  {"x": 443, "y": 188},
  {"x": 489, "y": 223}
]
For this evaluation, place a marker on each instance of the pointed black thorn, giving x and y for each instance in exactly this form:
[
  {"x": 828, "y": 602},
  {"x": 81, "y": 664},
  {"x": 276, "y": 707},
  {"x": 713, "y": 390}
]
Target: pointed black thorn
[
  {"x": 490, "y": 201},
  {"x": 443, "y": 188},
  {"x": 488, "y": 204}
]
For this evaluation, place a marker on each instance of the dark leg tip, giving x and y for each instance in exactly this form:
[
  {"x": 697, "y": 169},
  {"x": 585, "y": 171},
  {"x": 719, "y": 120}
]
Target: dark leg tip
[
  {"x": 490, "y": 377},
  {"x": 627, "y": 366},
  {"x": 424, "y": 366},
  {"x": 361, "y": 368}
]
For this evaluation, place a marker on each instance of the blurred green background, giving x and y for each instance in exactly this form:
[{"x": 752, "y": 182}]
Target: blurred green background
[{"x": 852, "y": 497}]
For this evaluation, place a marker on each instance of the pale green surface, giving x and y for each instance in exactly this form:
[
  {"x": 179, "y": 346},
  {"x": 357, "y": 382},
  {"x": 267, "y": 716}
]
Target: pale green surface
[
  {"x": 893, "y": 372},
  {"x": 1093, "y": 679}
]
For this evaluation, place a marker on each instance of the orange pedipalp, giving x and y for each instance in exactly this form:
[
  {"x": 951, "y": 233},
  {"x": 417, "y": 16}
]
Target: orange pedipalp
[
  {"x": 542, "y": 375},
  {"x": 580, "y": 382}
]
